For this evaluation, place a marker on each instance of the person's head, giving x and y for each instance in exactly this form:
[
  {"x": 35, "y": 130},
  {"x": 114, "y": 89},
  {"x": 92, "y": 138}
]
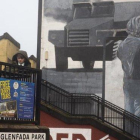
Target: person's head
[
  {"x": 133, "y": 26},
  {"x": 20, "y": 58}
]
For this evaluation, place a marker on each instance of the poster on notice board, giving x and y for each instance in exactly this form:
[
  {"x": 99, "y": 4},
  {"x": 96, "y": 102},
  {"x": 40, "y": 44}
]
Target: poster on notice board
[{"x": 16, "y": 99}]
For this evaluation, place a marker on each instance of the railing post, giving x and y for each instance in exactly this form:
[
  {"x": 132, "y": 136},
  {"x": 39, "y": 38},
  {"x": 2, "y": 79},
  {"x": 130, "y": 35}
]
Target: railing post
[
  {"x": 124, "y": 122},
  {"x": 38, "y": 97},
  {"x": 98, "y": 109},
  {"x": 47, "y": 94},
  {"x": 103, "y": 109},
  {"x": 72, "y": 105},
  {"x": 49, "y": 100}
]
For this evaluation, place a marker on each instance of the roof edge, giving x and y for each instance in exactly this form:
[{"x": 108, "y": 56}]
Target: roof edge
[{"x": 10, "y": 38}]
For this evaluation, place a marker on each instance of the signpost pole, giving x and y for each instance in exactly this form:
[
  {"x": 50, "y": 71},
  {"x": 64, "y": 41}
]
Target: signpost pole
[{"x": 39, "y": 32}]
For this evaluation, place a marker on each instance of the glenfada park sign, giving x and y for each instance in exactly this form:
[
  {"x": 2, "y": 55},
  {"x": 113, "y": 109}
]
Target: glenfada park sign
[
  {"x": 22, "y": 136},
  {"x": 24, "y": 132}
]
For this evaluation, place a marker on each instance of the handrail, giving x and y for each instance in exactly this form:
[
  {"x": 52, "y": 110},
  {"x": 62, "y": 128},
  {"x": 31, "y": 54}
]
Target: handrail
[{"x": 91, "y": 105}]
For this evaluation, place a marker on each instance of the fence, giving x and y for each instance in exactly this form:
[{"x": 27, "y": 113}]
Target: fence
[
  {"x": 23, "y": 74},
  {"x": 91, "y": 105}
]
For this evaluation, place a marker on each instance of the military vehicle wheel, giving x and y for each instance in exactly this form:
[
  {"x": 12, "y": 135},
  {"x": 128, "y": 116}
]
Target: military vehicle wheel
[
  {"x": 88, "y": 65},
  {"x": 61, "y": 59}
]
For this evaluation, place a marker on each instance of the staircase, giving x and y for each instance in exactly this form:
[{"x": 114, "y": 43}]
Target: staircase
[{"x": 89, "y": 109}]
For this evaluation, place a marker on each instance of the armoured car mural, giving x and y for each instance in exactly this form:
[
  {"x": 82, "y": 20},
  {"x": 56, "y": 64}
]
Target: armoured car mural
[
  {"x": 82, "y": 39},
  {"x": 77, "y": 29}
]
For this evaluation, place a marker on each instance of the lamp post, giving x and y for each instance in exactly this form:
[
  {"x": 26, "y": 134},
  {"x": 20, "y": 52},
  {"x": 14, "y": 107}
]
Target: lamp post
[{"x": 39, "y": 32}]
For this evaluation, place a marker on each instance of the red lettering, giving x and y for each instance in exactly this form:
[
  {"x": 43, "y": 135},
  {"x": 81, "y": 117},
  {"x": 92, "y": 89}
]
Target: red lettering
[
  {"x": 61, "y": 135},
  {"x": 78, "y": 136},
  {"x": 51, "y": 137}
]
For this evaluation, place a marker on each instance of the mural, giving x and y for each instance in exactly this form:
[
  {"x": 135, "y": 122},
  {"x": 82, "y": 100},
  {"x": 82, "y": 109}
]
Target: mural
[
  {"x": 73, "y": 37},
  {"x": 74, "y": 33}
]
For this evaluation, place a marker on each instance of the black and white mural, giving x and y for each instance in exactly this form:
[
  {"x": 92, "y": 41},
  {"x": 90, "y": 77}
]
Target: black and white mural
[{"x": 73, "y": 35}]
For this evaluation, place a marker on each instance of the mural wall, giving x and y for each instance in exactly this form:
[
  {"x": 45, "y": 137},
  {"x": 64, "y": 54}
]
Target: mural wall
[{"x": 73, "y": 34}]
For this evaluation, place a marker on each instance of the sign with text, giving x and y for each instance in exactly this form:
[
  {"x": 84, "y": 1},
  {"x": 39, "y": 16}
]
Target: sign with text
[
  {"x": 22, "y": 136},
  {"x": 70, "y": 134},
  {"x": 16, "y": 99}
]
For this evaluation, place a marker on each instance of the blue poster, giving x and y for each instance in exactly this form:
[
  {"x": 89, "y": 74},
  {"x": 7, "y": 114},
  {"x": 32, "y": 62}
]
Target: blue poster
[{"x": 16, "y": 99}]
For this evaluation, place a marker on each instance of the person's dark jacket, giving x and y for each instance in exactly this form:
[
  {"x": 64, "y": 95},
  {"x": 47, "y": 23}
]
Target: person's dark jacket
[
  {"x": 24, "y": 53},
  {"x": 15, "y": 62}
]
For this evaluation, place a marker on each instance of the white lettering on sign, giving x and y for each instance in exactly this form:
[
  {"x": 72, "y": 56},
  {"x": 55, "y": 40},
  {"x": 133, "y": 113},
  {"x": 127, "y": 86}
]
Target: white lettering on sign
[
  {"x": 70, "y": 134},
  {"x": 105, "y": 138},
  {"x": 22, "y": 136}
]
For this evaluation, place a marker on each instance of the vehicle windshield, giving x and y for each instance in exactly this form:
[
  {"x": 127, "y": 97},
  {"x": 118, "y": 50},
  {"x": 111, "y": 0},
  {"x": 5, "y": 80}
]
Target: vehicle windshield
[
  {"x": 97, "y": 9},
  {"x": 82, "y": 12},
  {"x": 103, "y": 11}
]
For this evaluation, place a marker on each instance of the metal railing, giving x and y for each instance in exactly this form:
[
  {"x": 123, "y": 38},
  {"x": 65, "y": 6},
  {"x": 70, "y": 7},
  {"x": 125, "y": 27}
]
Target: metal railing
[
  {"x": 91, "y": 105},
  {"x": 24, "y": 74}
]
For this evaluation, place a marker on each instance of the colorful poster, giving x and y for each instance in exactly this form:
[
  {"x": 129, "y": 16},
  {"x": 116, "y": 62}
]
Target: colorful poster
[{"x": 16, "y": 99}]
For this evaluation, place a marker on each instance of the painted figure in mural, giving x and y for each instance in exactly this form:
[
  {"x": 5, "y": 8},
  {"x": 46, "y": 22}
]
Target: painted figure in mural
[
  {"x": 21, "y": 58},
  {"x": 129, "y": 54}
]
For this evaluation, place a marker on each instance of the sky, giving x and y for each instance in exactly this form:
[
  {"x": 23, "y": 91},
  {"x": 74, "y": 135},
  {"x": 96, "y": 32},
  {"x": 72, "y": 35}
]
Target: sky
[{"x": 19, "y": 18}]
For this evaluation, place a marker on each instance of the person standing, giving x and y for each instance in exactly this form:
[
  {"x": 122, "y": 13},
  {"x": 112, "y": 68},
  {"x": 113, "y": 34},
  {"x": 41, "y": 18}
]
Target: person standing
[{"x": 129, "y": 54}]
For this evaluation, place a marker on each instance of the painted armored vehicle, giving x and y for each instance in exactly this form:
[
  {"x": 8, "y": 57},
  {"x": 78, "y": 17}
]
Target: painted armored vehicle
[{"x": 82, "y": 39}]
